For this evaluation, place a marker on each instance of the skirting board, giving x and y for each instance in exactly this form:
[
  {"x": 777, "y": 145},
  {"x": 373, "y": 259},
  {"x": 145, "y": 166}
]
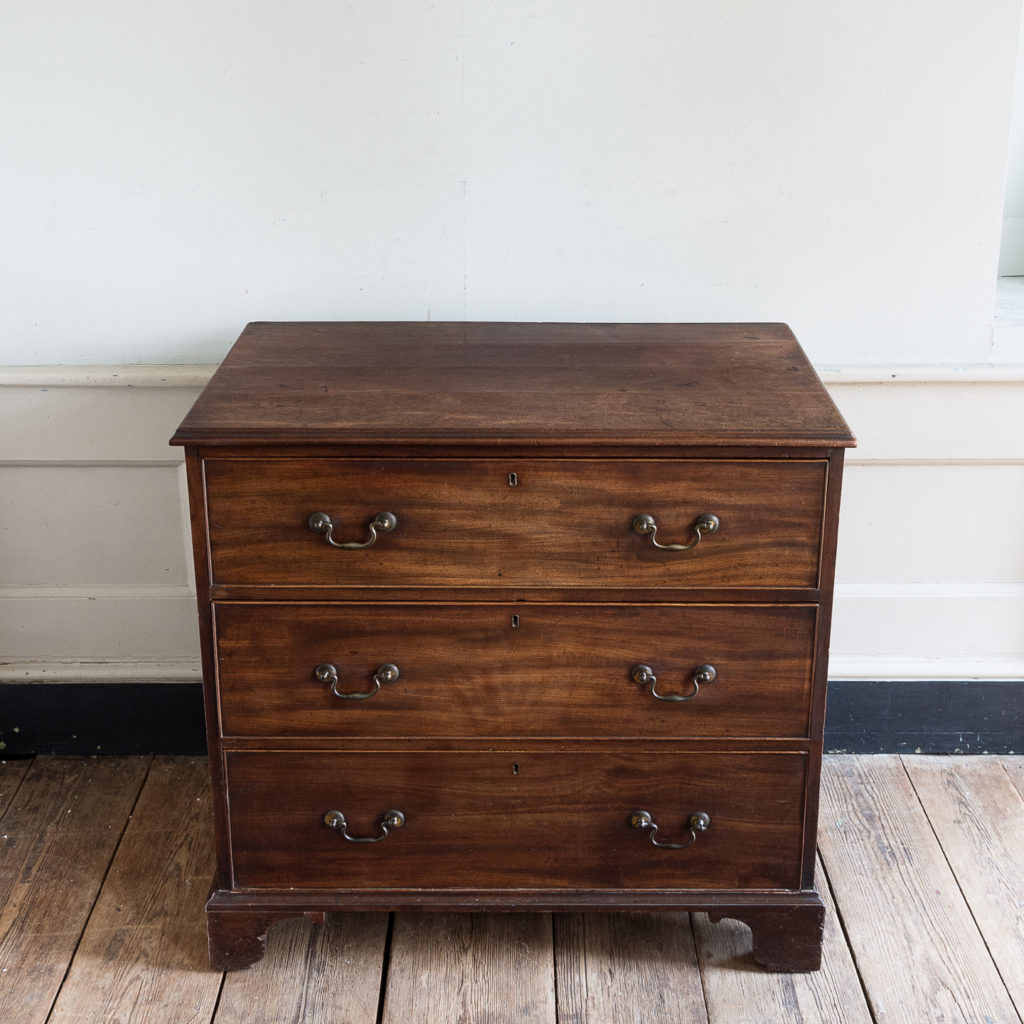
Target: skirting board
[
  {"x": 101, "y": 718},
  {"x": 934, "y": 716},
  {"x": 864, "y": 717}
]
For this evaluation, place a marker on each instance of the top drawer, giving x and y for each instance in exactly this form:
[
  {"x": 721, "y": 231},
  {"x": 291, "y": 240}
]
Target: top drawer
[{"x": 515, "y": 523}]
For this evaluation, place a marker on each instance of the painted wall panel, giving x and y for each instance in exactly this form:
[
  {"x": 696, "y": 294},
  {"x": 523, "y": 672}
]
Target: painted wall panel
[
  {"x": 91, "y": 424},
  {"x": 98, "y": 633},
  {"x": 928, "y": 631},
  {"x": 932, "y": 523},
  {"x": 81, "y": 525},
  {"x": 941, "y": 421}
]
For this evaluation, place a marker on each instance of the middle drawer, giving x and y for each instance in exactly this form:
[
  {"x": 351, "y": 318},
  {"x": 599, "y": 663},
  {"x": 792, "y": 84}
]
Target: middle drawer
[{"x": 490, "y": 670}]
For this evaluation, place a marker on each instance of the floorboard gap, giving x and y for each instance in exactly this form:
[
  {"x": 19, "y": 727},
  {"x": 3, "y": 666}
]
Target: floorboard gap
[
  {"x": 699, "y": 961},
  {"x": 220, "y": 993},
  {"x": 846, "y": 939},
  {"x": 384, "y": 965},
  {"x": 17, "y": 788},
  {"x": 1013, "y": 782},
  {"x": 554, "y": 965}
]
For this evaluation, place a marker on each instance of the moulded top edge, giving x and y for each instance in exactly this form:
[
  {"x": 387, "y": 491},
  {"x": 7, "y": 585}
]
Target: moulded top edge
[{"x": 650, "y": 385}]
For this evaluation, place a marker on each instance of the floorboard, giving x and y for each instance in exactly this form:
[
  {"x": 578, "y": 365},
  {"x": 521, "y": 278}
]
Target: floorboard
[
  {"x": 1014, "y": 768},
  {"x": 11, "y": 775},
  {"x": 143, "y": 955},
  {"x": 57, "y": 836},
  {"x": 913, "y": 937},
  {"x": 328, "y": 973},
  {"x": 471, "y": 969},
  {"x": 628, "y": 968},
  {"x": 978, "y": 817}
]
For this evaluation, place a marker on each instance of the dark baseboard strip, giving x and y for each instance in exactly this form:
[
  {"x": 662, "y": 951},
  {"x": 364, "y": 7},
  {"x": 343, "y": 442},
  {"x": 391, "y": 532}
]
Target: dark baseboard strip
[
  {"x": 101, "y": 718},
  {"x": 928, "y": 717}
]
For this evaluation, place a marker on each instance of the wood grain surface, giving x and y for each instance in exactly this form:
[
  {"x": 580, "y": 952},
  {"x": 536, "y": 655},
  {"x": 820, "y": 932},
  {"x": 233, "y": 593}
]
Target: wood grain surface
[
  {"x": 57, "y": 839},
  {"x": 410, "y": 383},
  {"x": 470, "y": 969},
  {"x": 564, "y": 523},
  {"x": 146, "y": 930},
  {"x": 328, "y": 973},
  {"x": 1014, "y": 768},
  {"x": 628, "y": 968},
  {"x": 11, "y": 775},
  {"x": 514, "y": 669},
  {"x": 981, "y": 832},
  {"x": 513, "y": 819},
  {"x": 916, "y": 943}
]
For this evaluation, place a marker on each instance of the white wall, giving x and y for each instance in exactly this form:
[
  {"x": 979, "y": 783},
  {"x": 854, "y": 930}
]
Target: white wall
[
  {"x": 1011, "y": 251},
  {"x": 171, "y": 171}
]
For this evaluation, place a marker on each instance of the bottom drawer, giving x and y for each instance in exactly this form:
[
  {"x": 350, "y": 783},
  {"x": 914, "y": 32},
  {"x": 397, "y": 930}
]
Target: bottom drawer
[{"x": 518, "y": 820}]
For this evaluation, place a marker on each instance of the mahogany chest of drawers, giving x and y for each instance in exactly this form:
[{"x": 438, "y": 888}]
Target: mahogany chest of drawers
[{"x": 515, "y": 616}]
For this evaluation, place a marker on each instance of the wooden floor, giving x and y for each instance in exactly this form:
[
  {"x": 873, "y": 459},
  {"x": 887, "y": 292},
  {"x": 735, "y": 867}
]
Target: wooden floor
[{"x": 105, "y": 863}]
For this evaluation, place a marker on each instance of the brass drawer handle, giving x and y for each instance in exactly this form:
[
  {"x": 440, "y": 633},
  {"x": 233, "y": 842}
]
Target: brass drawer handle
[
  {"x": 321, "y": 522},
  {"x": 699, "y": 822},
  {"x": 387, "y": 673},
  {"x": 645, "y": 525},
  {"x": 336, "y": 820},
  {"x": 644, "y": 674}
]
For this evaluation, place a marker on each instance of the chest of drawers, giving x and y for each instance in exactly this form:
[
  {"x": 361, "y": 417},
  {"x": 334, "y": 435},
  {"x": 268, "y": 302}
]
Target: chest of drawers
[{"x": 515, "y": 616}]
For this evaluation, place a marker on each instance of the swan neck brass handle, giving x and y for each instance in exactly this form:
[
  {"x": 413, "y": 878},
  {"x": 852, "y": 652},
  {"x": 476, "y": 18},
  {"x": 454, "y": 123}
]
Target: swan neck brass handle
[
  {"x": 702, "y": 674},
  {"x": 382, "y": 522},
  {"x": 386, "y": 673},
  {"x": 645, "y": 525},
  {"x": 392, "y": 820},
  {"x": 699, "y": 821}
]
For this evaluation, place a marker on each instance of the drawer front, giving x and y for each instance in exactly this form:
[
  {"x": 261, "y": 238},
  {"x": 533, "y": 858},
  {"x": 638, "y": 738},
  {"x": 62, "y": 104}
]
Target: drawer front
[
  {"x": 494, "y": 670},
  {"x": 563, "y": 523},
  {"x": 508, "y": 819}
]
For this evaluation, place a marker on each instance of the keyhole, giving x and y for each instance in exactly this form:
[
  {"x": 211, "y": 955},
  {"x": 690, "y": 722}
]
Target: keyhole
[
  {"x": 515, "y": 768},
  {"x": 515, "y": 621},
  {"x": 513, "y": 480}
]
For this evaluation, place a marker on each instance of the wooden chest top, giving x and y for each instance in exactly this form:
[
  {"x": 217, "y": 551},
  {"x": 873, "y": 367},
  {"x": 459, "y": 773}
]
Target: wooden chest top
[{"x": 508, "y": 384}]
